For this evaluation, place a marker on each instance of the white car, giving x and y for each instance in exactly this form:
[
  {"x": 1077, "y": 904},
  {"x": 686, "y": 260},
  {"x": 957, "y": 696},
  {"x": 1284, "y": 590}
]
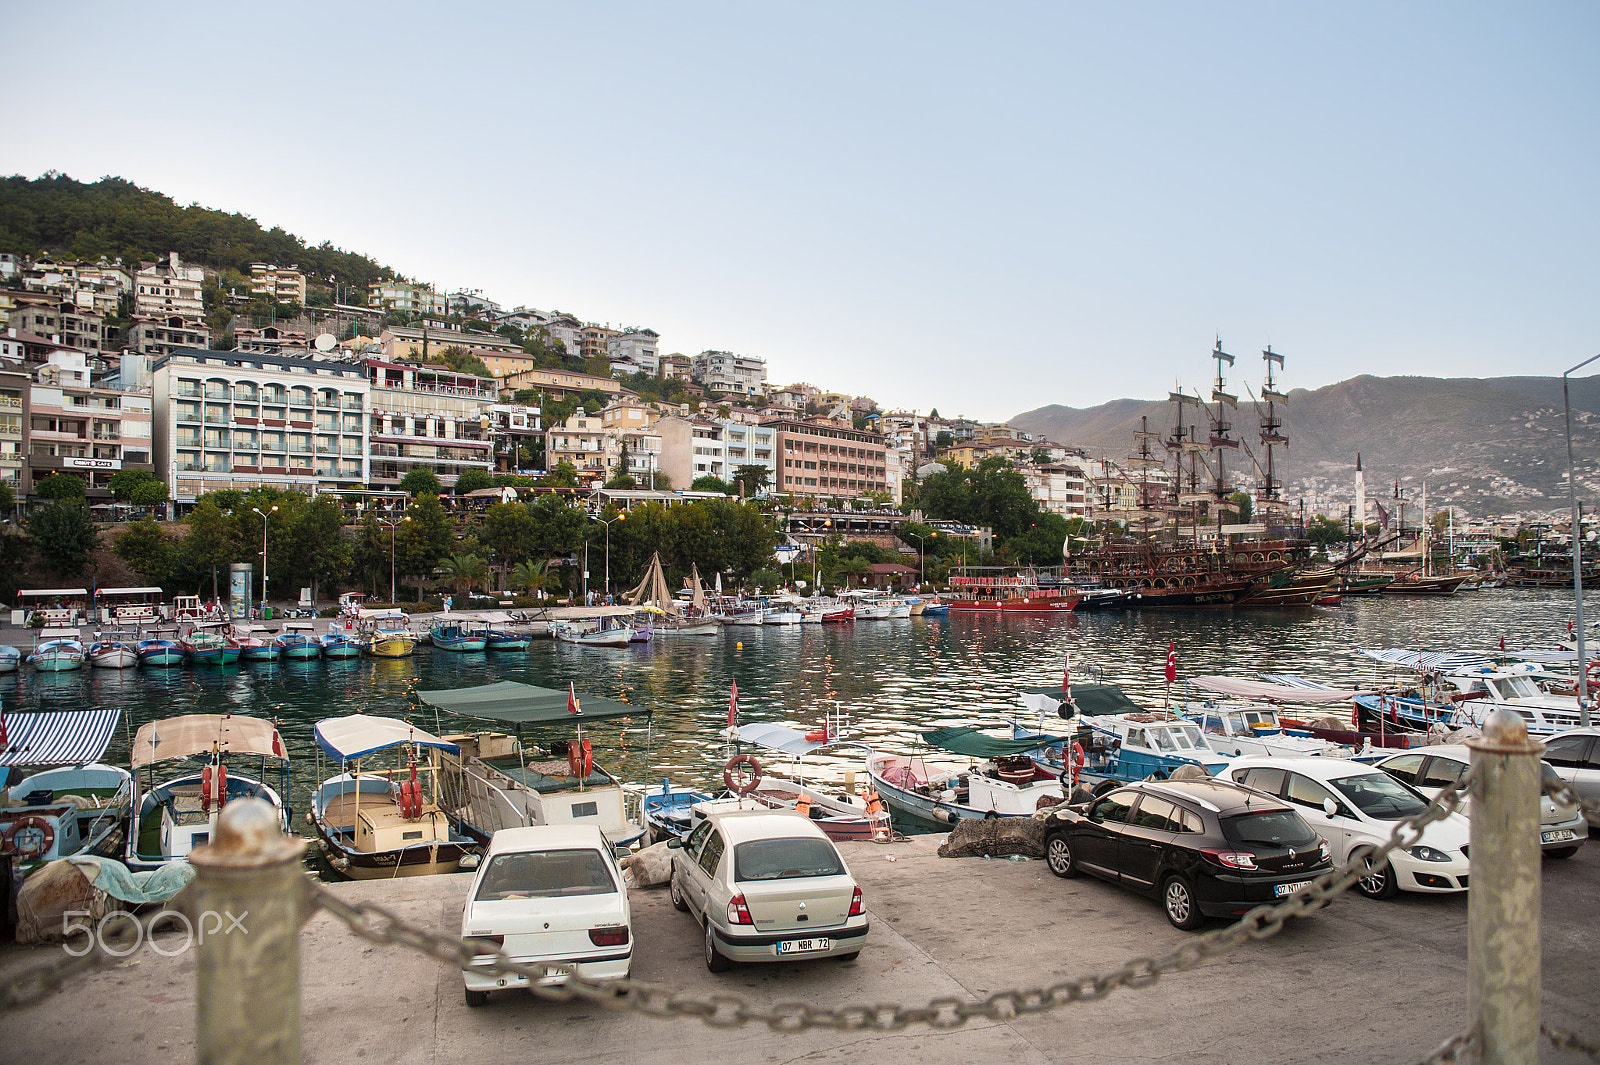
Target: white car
[
  {"x": 1562, "y": 829},
  {"x": 1355, "y": 807},
  {"x": 1575, "y": 754},
  {"x": 552, "y": 895},
  {"x": 767, "y": 887}
]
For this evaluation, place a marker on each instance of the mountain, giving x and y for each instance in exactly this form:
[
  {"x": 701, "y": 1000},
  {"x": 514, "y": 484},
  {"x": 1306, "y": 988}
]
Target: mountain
[{"x": 1490, "y": 446}]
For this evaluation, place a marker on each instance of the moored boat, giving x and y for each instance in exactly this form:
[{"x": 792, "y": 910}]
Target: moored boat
[
  {"x": 112, "y": 649},
  {"x": 501, "y": 636},
  {"x": 608, "y": 634},
  {"x": 1028, "y": 590},
  {"x": 298, "y": 640},
  {"x": 459, "y": 632},
  {"x": 255, "y": 643},
  {"x": 10, "y": 658},
  {"x": 840, "y": 817},
  {"x": 57, "y": 650},
  {"x": 66, "y": 801},
  {"x": 337, "y": 644},
  {"x": 386, "y": 633},
  {"x": 154, "y": 649},
  {"x": 204, "y": 645},
  {"x": 997, "y": 780}
]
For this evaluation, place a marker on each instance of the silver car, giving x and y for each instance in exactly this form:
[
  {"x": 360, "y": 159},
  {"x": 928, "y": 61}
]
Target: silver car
[
  {"x": 1575, "y": 754},
  {"x": 767, "y": 887}
]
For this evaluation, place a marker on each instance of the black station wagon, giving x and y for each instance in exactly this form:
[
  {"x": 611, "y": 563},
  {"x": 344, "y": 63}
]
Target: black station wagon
[{"x": 1205, "y": 848}]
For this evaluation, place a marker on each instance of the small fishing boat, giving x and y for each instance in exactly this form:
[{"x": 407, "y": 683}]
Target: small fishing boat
[
  {"x": 336, "y": 644},
  {"x": 255, "y": 643},
  {"x": 704, "y": 626},
  {"x": 459, "y": 632},
  {"x": 186, "y": 769},
  {"x": 668, "y": 811},
  {"x": 935, "y": 607},
  {"x": 155, "y": 649},
  {"x": 386, "y": 633},
  {"x": 643, "y": 624},
  {"x": 840, "y": 816},
  {"x": 56, "y": 650},
  {"x": 782, "y": 610},
  {"x": 501, "y": 636},
  {"x": 608, "y": 634},
  {"x": 298, "y": 640},
  {"x": 1111, "y": 738},
  {"x": 10, "y": 658},
  {"x": 66, "y": 801},
  {"x": 1252, "y": 727},
  {"x": 376, "y": 817},
  {"x": 113, "y": 649},
  {"x": 204, "y": 645},
  {"x": 997, "y": 779}
]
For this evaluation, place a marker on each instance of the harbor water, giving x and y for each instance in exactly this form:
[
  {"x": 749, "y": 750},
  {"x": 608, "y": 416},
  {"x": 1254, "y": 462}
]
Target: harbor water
[{"x": 891, "y": 678}]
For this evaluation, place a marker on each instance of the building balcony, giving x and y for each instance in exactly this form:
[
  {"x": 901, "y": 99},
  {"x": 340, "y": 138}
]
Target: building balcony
[{"x": 218, "y": 393}]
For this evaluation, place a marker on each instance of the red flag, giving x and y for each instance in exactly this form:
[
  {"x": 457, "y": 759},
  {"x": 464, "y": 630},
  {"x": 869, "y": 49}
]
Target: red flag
[
  {"x": 572, "y": 699},
  {"x": 1569, "y": 626},
  {"x": 1066, "y": 680},
  {"x": 1502, "y": 643},
  {"x": 733, "y": 706},
  {"x": 1172, "y": 662},
  {"x": 277, "y": 743},
  {"x": 2, "y": 728}
]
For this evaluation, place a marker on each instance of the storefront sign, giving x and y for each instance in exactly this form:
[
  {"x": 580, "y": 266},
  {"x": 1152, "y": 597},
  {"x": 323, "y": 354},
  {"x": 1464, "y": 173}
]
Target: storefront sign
[{"x": 91, "y": 464}]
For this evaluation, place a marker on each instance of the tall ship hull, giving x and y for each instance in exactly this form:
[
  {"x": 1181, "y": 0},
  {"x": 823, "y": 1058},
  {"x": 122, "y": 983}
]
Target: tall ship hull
[{"x": 1301, "y": 589}]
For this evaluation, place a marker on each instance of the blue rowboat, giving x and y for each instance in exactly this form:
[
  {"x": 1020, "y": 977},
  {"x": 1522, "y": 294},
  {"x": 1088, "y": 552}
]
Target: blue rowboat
[
  {"x": 339, "y": 645},
  {"x": 297, "y": 640}
]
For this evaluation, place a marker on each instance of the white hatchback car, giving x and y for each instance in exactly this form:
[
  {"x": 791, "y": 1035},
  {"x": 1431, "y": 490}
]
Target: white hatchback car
[
  {"x": 1562, "y": 829},
  {"x": 767, "y": 887},
  {"x": 1575, "y": 754},
  {"x": 552, "y": 895},
  {"x": 1354, "y": 807}
]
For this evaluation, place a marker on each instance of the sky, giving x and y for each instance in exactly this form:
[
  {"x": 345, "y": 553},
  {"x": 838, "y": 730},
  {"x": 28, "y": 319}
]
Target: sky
[{"x": 979, "y": 208}]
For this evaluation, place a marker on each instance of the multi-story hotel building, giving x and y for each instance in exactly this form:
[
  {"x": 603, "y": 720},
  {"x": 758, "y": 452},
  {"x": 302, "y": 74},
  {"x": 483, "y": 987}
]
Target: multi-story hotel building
[
  {"x": 228, "y": 419},
  {"x": 15, "y": 385},
  {"x": 725, "y": 372},
  {"x": 750, "y": 445},
  {"x": 284, "y": 284},
  {"x": 161, "y": 290},
  {"x": 429, "y": 416},
  {"x": 824, "y": 460},
  {"x": 75, "y": 426}
]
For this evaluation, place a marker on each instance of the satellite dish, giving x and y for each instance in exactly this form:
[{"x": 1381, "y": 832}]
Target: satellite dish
[{"x": 326, "y": 342}]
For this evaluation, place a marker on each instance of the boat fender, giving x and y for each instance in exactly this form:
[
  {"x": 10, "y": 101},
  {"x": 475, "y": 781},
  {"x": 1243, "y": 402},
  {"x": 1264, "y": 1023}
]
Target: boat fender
[
  {"x": 732, "y": 779},
  {"x": 222, "y": 784},
  {"x": 32, "y": 845},
  {"x": 205, "y": 790},
  {"x": 580, "y": 759},
  {"x": 946, "y": 816},
  {"x": 817, "y": 736}
]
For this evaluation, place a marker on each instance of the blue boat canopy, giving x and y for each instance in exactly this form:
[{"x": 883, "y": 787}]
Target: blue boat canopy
[
  {"x": 67, "y": 737},
  {"x": 526, "y": 704},
  {"x": 356, "y": 736},
  {"x": 975, "y": 744}
]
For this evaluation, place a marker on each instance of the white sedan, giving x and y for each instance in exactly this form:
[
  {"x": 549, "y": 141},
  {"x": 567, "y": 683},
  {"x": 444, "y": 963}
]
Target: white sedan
[
  {"x": 549, "y": 895},
  {"x": 1355, "y": 807},
  {"x": 1575, "y": 754}
]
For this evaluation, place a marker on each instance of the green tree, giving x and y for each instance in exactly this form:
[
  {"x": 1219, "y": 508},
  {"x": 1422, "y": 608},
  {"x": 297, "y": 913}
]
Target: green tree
[
  {"x": 1242, "y": 509},
  {"x": 65, "y": 535},
  {"x": 209, "y": 545},
  {"x": 7, "y": 498},
  {"x": 754, "y": 477},
  {"x": 565, "y": 475},
  {"x": 126, "y": 484},
  {"x": 147, "y": 550},
  {"x": 471, "y": 480},
  {"x": 464, "y": 572},
  {"x": 424, "y": 540},
  {"x": 314, "y": 547},
  {"x": 710, "y": 483},
  {"x": 530, "y": 576},
  {"x": 59, "y": 486},
  {"x": 15, "y": 549},
  {"x": 943, "y": 439},
  {"x": 420, "y": 481},
  {"x": 512, "y": 532}
]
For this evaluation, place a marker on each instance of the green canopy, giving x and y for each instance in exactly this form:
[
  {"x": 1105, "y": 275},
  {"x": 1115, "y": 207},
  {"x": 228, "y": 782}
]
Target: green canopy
[
  {"x": 1095, "y": 699},
  {"x": 526, "y": 704},
  {"x": 975, "y": 744}
]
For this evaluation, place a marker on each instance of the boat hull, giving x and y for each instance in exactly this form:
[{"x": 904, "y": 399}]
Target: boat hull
[
  {"x": 160, "y": 653},
  {"x": 57, "y": 661},
  {"x": 391, "y": 647},
  {"x": 1043, "y": 603},
  {"x": 508, "y": 642},
  {"x": 119, "y": 657}
]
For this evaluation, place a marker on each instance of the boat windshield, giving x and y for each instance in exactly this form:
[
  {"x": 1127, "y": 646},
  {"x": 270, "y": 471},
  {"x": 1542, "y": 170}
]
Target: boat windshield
[
  {"x": 1517, "y": 688},
  {"x": 1177, "y": 738},
  {"x": 1267, "y": 718},
  {"x": 1380, "y": 796}
]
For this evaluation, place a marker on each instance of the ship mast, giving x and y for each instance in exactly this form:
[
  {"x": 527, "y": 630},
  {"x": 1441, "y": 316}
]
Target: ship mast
[
  {"x": 1184, "y": 441},
  {"x": 1271, "y": 432},
  {"x": 1221, "y": 426},
  {"x": 1144, "y": 460}
]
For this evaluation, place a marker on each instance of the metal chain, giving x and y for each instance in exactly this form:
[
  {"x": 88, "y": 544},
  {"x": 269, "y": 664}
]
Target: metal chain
[
  {"x": 1456, "y": 1048},
  {"x": 1563, "y": 792},
  {"x": 1562, "y": 1039},
  {"x": 105, "y": 950},
  {"x": 729, "y": 1011}
]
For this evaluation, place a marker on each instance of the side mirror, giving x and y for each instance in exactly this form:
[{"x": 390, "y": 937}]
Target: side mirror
[
  {"x": 677, "y": 844},
  {"x": 1330, "y": 807}
]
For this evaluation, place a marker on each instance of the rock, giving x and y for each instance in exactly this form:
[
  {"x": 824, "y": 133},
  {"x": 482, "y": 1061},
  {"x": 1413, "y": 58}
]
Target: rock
[
  {"x": 48, "y": 894},
  {"x": 648, "y": 868},
  {"x": 1189, "y": 772},
  {"x": 997, "y": 836}
]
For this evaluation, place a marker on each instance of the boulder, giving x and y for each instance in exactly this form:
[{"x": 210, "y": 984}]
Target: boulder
[
  {"x": 49, "y": 893},
  {"x": 1189, "y": 772},
  {"x": 996, "y": 837},
  {"x": 648, "y": 868}
]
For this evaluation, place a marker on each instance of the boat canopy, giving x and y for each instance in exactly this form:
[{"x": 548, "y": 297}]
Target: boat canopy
[
  {"x": 1440, "y": 661},
  {"x": 496, "y": 617},
  {"x": 181, "y": 737},
  {"x": 367, "y": 615},
  {"x": 525, "y": 704},
  {"x": 1269, "y": 692},
  {"x": 1547, "y": 657},
  {"x": 781, "y": 738},
  {"x": 1093, "y": 699},
  {"x": 356, "y": 736},
  {"x": 976, "y": 744},
  {"x": 62, "y": 737}
]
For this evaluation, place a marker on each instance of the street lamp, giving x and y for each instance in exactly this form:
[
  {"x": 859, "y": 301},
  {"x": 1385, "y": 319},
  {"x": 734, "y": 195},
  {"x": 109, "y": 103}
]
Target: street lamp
[
  {"x": 392, "y": 526},
  {"x": 607, "y": 523},
  {"x": 1577, "y": 550},
  {"x": 922, "y": 568},
  {"x": 264, "y": 514}
]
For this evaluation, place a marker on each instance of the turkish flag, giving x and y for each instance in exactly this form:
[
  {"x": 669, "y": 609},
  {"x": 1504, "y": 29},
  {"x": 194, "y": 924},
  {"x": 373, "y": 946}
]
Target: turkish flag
[
  {"x": 277, "y": 743},
  {"x": 733, "y": 706},
  {"x": 1172, "y": 662},
  {"x": 1066, "y": 679},
  {"x": 1502, "y": 643},
  {"x": 572, "y": 700}
]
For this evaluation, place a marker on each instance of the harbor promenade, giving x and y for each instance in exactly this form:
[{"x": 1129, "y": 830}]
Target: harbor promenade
[{"x": 1361, "y": 981}]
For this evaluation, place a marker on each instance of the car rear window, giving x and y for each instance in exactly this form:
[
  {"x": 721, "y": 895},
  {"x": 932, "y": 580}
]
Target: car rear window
[
  {"x": 1272, "y": 828},
  {"x": 785, "y": 859},
  {"x": 545, "y": 874}
]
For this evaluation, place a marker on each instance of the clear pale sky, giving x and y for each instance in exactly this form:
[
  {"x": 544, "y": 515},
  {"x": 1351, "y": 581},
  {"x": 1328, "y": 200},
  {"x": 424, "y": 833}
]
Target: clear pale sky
[{"x": 982, "y": 208}]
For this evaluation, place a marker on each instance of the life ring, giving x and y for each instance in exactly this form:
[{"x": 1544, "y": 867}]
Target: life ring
[
  {"x": 580, "y": 759},
  {"x": 1077, "y": 761},
  {"x": 730, "y": 777},
  {"x": 32, "y": 844}
]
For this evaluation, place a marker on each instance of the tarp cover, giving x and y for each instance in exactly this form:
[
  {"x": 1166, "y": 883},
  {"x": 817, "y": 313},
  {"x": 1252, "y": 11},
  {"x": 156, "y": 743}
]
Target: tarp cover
[
  {"x": 180, "y": 737},
  {"x": 1545, "y": 656},
  {"x": 525, "y": 704},
  {"x": 975, "y": 744},
  {"x": 358, "y": 735},
  {"x": 1441, "y": 661},
  {"x": 145, "y": 886},
  {"x": 67, "y": 737},
  {"x": 780, "y": 738},
  {"x": 1095, "y": 699},
  {"x": 1260, "y": 689}
]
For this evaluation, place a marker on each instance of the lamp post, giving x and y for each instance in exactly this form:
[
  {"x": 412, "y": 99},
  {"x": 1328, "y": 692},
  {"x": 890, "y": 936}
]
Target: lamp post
[
  {"x": 607, "y": 523},
  {"x": 922, "y": 545},
  {"x": 1577, "y": 550},
  {"x": 264, "y": 514},
  {"x": 392, "y": 526}
]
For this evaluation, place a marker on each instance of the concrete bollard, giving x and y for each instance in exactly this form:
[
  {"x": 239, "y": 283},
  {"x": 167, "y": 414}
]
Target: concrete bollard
[
  {"x": 1503, "y": 903},
  {"x": 248, "y": 900}
]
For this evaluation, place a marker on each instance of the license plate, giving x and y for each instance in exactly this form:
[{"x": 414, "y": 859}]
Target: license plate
[
  {"x": 1281, "y": 890},
  {"x": 1558, "y": 835},
  {"x": 803, "y": 946}
]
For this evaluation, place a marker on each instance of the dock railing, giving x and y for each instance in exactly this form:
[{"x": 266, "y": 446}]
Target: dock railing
[{"x": 248, "y": 985}]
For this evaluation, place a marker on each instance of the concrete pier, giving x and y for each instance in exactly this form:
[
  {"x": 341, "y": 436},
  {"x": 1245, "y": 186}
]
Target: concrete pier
[{"x": 1361, "y": 981}]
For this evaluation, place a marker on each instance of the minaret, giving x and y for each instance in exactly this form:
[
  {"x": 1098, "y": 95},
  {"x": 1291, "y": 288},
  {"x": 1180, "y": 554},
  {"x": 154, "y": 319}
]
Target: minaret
[{"x": 1361, "y": 499}]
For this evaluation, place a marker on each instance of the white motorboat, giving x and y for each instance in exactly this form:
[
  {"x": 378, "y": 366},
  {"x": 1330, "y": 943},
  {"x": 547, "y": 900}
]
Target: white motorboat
[
  {"x": 66, "y": 801},
  {"x": 57, "y": 650},
  {"x": 608, "y": 634},
  {"x": 113, "y": 649}
]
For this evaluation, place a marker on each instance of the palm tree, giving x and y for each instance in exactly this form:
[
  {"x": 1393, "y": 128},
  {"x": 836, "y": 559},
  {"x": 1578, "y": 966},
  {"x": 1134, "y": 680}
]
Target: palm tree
[
  {"x": 529, "y": 575},
  {"x": 851, "y": 568},
  {"x": 464, "y": 572}
]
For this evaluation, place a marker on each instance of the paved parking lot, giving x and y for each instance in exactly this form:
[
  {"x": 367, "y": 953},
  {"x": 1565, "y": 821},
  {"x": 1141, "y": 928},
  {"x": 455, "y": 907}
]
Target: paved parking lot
[{"x": 1361, "y": 981}]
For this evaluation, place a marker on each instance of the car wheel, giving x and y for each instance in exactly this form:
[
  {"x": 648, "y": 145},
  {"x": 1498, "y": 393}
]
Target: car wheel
[
  {"x": 679, "y": 903},
  {"x": 1380, "y": 883},
  {"x": 477, "y": 998},
  {"x": 1059, "y": 857},
  {"x": 852, "y": 956},
  {"x": 1177, "y": 898},
  {"x": 1561, "y": 852},
  {"x": 716, "y": 961}
]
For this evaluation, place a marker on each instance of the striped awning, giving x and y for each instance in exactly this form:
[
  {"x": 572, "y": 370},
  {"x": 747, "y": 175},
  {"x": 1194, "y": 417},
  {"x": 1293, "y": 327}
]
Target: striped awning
[
  {"x": 1433, "y": 661},
  {"x": 66, "y": 737}
]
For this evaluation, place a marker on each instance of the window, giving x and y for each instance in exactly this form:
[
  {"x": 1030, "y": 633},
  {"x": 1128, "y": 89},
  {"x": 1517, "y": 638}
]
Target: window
[
  {"x": 1567, "y": 751},
  {"x": 1277, "y": 828},
  {"x": 1114, "y": 808},
  {"x": 1441, "y": 773},
  {"x": 1267, "y": 780},
  {"x": 546, "y": 874},
  {"x": 1404, "y": 768},
  {"x": 1157, "y": 814},
  {"x": 784, "y": 859},
  {"x": 712, "y": 854},
  {"x": 1304, "y": 791}
]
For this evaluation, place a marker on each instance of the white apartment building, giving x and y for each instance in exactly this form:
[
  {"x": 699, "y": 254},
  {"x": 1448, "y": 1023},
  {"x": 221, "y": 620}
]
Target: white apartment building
[
  {"x": 730, "y": 374},
  {"x": 400, "y": 296},
  {"x": 284, "y": 284},
  {"x": 744, "y": 444},
  {"x": 429, "y": 416},
  {"x": 162, "y": 290},
  {"x": 472, "y": 303},
  {"x": 512, "y": 426},
  {"x": 634, "y": 351},
  {"x": 228, "y": 419},
  {"x": 580, "y": 440},
  {"x": 75, "y": 426},
  {"x": 1059, "y": 488}
]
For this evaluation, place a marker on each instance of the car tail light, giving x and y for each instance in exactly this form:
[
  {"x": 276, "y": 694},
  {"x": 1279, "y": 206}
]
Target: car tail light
[
  {"x": 856, "y": 909},
  {"x": 1232, "y": 859},
  {"x": 612, "y": 936},
  {"x": 738, "y": 912},
  {"x": 498, "y": 941}
]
